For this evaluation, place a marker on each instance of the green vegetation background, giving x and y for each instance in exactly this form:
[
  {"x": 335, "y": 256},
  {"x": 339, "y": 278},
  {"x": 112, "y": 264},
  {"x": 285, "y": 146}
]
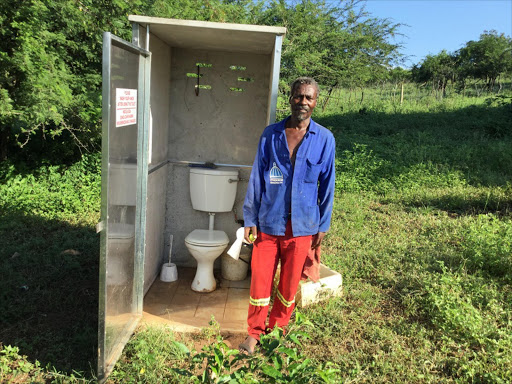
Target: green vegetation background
[
  {"x": 51, "y": 51},
  {"x": 421, "y": 229}
]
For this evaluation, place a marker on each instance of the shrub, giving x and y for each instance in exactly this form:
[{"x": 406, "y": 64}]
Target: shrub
[{"x": 52, "y": 191}]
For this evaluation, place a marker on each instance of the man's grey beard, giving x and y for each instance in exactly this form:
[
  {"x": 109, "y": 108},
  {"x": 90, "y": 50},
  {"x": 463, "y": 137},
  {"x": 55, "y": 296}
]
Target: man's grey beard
[{"x": 302, "y": 116}]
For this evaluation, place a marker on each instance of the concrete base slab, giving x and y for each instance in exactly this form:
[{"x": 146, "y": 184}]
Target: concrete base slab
[{"x": 176, "y": 305}]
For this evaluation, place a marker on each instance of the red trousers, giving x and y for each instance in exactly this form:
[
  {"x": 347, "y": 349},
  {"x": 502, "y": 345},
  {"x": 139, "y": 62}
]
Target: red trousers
[{"x": 267, "y": 251}]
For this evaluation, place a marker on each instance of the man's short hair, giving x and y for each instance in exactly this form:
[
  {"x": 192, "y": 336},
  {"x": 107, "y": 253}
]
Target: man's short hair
[{"x": 307, "y": 81}]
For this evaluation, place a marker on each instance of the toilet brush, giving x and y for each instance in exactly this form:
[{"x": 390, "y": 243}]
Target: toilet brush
[
  {"x": 169, "y": 271},
  {"x": 170, "y": 248}
]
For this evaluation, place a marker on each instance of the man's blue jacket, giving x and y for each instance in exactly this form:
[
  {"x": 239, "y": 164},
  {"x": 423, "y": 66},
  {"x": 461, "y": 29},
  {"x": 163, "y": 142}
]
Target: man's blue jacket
[{"x": 279, "y": 191}]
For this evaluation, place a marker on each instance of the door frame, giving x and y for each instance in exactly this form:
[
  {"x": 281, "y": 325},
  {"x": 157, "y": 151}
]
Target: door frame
[{"x": 106, "y": 363}]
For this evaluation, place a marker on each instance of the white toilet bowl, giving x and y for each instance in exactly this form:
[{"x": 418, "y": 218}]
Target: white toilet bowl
[{"x": 205, "y": 246}]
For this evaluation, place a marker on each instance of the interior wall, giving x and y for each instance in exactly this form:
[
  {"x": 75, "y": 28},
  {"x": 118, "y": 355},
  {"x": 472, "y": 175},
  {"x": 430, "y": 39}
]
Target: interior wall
[
  {"x": 220, "y": 125},
  {"x": 157, "y": 180}
]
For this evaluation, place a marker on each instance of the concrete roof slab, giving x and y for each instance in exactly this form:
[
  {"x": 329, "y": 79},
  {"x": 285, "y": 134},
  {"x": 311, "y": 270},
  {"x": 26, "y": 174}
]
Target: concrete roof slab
[{"x": 212, "y": 36}]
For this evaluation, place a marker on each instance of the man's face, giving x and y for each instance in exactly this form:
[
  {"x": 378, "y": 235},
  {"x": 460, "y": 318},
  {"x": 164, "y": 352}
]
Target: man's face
[{"x": 303, "y": 101}]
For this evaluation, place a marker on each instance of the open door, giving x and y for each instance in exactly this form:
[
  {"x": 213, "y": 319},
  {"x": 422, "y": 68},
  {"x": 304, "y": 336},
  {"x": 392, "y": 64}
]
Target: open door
[{"x": 124, "y": 173}]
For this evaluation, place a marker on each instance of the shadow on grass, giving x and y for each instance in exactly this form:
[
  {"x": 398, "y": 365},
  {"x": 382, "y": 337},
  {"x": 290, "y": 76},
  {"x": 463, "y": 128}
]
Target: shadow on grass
[
  {"x": 459, "y": 205},
  {"x": 49, "y": 291}
]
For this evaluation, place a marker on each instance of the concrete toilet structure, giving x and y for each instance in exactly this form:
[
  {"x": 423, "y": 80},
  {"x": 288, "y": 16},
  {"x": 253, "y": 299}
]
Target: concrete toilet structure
[{"x": 184, "y": 105}]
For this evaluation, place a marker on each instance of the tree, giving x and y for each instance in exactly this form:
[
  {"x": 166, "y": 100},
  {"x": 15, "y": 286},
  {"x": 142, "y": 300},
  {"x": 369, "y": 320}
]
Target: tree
[
  {"x": 436, "y": 69},
  {"x": 487, "y": 58},
  {"x": 227, "y": 11},
  {"x": 337, "y": 45},
  {"x": 50, "y": 57},
  {"x": 50, "y": 73},
  {"x": 398, "y": 76}
]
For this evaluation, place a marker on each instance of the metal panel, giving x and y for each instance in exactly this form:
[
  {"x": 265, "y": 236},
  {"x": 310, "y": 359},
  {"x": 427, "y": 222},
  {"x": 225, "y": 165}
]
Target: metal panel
[
  {"x": 124, "y": 177},
  {"x": 140, "y": 36},
  {"x": 274, "y": 80}
]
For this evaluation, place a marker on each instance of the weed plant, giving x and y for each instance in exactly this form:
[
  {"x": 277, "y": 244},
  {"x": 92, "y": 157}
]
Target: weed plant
[
  {"x": 421, "y": 233},
  {"x": 279, "y": 359}
]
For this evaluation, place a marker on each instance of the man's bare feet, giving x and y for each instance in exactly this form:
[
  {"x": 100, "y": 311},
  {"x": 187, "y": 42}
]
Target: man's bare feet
[{"x": 248, "y": 345}]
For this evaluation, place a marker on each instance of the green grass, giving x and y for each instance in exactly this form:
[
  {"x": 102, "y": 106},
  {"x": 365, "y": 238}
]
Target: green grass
[{"x": 421, "y": 231}]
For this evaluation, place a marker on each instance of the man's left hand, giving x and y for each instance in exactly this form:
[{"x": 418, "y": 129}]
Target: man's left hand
[{"x": 317, "y": 240}]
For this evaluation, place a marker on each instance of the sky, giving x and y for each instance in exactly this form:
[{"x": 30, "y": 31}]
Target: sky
[{"x": 434, "y": 25}]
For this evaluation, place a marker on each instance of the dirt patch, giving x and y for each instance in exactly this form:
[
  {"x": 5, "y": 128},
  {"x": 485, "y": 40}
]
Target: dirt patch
[{"x": 198, "y": 340}]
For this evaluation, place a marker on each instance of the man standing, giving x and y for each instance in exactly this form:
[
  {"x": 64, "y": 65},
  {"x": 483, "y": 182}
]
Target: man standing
[{"x": 288, "y": 206}]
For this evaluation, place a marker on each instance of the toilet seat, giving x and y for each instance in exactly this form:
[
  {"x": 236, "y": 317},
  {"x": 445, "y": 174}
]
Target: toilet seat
[{"x": 207, "y": 238}]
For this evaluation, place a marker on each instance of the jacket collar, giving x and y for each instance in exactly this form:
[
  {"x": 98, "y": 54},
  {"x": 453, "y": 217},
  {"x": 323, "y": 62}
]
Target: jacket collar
[{"x": 281, "y": 126}]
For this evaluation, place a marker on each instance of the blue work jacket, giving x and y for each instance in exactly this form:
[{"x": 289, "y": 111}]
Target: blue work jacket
[{"x": 279, "y": 191}]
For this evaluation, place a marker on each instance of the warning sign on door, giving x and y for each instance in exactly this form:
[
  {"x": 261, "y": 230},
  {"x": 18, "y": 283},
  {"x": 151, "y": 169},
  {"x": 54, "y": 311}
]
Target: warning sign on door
[{"x": 126, "y": 107}]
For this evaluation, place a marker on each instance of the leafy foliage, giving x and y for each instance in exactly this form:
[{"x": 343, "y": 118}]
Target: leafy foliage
[
  {"x": 278, "y": 361},
  {"x": 485, "y": 59},
  {"x": 52, "y": 191},
  {"x": 50, "y": 59},
  {"x": 50, "y": 65},
  {"x": 335, "y": 44}
]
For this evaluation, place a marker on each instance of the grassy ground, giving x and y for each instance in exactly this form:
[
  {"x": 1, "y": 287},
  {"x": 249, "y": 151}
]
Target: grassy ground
[
  {"x": 421, "y": 231},
  {"x": 49, "y": 255}
]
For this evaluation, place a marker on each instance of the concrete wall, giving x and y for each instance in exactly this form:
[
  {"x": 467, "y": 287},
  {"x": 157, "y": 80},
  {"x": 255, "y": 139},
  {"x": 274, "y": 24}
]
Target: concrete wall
[
  {"x": 157, "y": 180},
  {"x": 219, "y": 125}
]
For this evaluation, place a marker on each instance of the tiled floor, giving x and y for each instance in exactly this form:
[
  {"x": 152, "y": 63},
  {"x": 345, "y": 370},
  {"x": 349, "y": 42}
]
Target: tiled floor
[{"x": 177, "y": 305}]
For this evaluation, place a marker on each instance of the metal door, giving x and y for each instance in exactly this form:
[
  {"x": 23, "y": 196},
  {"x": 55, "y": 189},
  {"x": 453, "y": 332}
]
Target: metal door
[{"x": 126, "y": 75}]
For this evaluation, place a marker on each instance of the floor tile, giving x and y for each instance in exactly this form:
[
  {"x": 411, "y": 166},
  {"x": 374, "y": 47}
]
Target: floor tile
[
  {"x": 180, "y": 312},
  {"x": 156, "y": 308},
  {"x": 186, "y": 274},
  {"x": 246, "y": 283},
  {"x": 235, "y": 314},
  {"x": 216, "y": 298},
  {"x": 184, "y": 298},
  {"x": 238, "y": 298},
  {"x": 158, "y": 297},
  {"x": 179, "y": 306},
  {"x": 208, "y": 312}
]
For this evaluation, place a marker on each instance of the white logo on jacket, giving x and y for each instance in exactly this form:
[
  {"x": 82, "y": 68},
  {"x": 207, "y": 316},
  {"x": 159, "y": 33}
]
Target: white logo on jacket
[{"x": 276, "y": 176}]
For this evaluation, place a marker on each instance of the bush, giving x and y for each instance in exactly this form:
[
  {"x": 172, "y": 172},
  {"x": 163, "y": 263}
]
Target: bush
[{"x": 53, "y": 191}]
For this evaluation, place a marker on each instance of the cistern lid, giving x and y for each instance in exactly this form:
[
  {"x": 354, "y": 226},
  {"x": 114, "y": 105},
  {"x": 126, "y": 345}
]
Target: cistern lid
[
  {"x": 207, "y": 238},
  {"x": 219, "y": 171}
]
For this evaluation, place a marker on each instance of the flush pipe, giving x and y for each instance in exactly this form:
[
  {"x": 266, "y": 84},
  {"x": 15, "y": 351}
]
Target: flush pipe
[
  {"x": 122, "y": 218},
  {"x": 212, "y": 218}
]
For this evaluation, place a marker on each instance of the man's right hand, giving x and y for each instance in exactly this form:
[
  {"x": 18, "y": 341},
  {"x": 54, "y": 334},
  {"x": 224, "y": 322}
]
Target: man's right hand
[{"x": 250, "y": 231}]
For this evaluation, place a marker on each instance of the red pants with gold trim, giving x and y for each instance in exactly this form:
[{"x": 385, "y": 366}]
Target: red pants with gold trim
[{"x": 267, "y": 251}]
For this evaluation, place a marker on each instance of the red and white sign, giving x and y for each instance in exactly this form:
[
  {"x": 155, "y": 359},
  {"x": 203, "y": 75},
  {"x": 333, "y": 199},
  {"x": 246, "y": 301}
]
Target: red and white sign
[{"x": 126, "y": 107}]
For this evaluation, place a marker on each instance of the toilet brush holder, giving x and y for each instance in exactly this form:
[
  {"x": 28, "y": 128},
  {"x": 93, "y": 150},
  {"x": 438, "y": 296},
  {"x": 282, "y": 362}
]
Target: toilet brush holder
[{"x": 169, "y": 272}]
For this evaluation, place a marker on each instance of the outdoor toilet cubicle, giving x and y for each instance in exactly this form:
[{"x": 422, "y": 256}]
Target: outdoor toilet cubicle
[{"x": 180, "y": 94}]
